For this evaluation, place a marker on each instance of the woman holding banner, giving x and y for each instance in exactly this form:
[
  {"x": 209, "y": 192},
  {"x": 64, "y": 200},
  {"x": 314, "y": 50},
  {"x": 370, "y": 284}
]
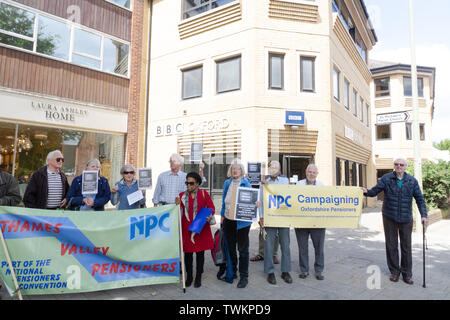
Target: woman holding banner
[
  {"x": 86, "y": 202},
  {"x": 126, "y": 186},
  {"x": 192, "y": 201},
  {"x": 236, "y": 232}
]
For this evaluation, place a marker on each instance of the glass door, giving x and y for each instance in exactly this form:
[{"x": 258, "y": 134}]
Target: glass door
[{"x": 294, "y": 166}]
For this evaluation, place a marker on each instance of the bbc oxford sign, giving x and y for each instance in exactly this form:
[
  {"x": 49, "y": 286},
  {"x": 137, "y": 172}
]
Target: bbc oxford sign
[{"x": 392, "y": 117}]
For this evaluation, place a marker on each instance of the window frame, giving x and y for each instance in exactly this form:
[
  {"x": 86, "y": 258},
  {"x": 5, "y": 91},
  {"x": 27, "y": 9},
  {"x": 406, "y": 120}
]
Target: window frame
[
  {"x": 419, "y": 87},
  {"x": 313, "y": 73},
  {"x": 346, "y": 94},
  {"x": 240, "y": 73},
  {"x": 355, "y": 103},
  {"x": 338, "y": 72},
  {"x": 191, "y": 68},
  {"x": 281, "y": 55},
  {"x": 72, "y": 25},
  {"x": 208, "y": 3},
  {"x": 383, "y": 125},
  {"x": 382, "y": 93}
]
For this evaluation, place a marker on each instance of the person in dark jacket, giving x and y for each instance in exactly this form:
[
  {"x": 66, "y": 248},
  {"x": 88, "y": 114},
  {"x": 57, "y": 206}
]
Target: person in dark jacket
[
  {"x": 9, "y": 190},
  {"x": 399, "y": 190},
  {"x": 48, "y": 185},
  {"x": 86, "y": 202}
]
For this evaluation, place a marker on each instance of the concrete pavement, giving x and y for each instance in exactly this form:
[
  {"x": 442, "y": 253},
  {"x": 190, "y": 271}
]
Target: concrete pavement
[{"x": 355, "y": 268}]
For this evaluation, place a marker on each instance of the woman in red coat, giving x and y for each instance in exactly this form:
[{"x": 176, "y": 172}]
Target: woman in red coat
[{"x": 195, "y": 199}]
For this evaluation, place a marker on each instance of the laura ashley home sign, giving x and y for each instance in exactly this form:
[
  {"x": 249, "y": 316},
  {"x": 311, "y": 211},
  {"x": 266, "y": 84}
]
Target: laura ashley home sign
[{"x": 59, "y": 113}]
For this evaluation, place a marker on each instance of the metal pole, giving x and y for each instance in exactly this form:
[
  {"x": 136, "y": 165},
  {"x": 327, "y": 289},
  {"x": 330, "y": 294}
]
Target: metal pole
[
  {"x": 15, "y": 149},
  {"x": 415, "y": 106}
]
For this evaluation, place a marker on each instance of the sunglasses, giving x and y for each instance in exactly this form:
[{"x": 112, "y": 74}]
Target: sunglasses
[
  {"x": 189, "y": 183},
  {"x": 59, "y": 159},
  {"x": 128, "y": 172},
  {"x": 399, "y": 164}
]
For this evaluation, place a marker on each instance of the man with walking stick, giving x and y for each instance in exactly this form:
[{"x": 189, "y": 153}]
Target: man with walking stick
[{"x": 399, "y": 189}]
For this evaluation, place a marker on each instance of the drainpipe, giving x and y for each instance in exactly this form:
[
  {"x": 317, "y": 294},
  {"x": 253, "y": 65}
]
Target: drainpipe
[{"x": 147, "y": 83}]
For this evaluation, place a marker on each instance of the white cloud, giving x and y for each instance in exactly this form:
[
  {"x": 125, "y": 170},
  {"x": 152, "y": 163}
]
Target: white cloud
[{"x": 433, "y": 55}]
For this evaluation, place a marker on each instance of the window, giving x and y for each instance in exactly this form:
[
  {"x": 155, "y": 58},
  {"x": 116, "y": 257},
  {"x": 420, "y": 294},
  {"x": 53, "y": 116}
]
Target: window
[
  {"x": 192, "y": 82},
  {"x": 408, "y": 128},
  {"x": 361, "y": 109},
  {"x": 382, "y": 87},
  {"x": 422, "y": 131},
  {"x": 383, "y": 132},
  {"x": 407, "y": 87},
  {"x": 336, "y": 74},
  {"x": 355, "y": 103},
  {"x": 122, "y": 3},
  {"x": 194, "y": 7},
  {"x": 367, "y": 115},
  {"x": 276, "y": 71},
  {"x": 51, "y": 36},
  {"x": 347, "y": 94},
  {"x": 229, "y": 74},
  {"x": 307, "y": 74}
]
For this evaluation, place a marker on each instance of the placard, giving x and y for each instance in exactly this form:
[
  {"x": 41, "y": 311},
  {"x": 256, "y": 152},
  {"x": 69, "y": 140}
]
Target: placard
[
  {"x": 254, "y": 171},
  {"x": 196, "y": 151},
  {"x": 243, "y": 204},
  {"x": 89, "y": 182},
  {"x": 144, "y": 178}
]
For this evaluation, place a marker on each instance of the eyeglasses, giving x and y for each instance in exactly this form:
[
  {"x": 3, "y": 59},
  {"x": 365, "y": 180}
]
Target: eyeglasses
[
  {"x": 128, "y": 172},
  {"x": 59, "y": 159},
  {"x": 189, "y": 183},
  {"x": 399, "y": 164}
]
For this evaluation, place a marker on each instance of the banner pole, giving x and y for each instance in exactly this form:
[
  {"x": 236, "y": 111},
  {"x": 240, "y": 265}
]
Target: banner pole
[
  {"x": 183, "y": 284},
  {"x": 8, "y": 259}
]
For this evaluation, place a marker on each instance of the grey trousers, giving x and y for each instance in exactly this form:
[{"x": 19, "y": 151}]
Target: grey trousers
[
  {"x": 261, "y": 243},
  {"x": 318, "y": 240},
  {"x": 284, "y": 239},
  {"x": 392, "y": 232}
]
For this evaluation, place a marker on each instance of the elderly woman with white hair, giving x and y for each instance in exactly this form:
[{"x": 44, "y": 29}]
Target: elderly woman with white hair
[
  {"x": 126, "y": 186},
  {"x": 236, "y": 232},
  {"x": 84, "y": 202}
]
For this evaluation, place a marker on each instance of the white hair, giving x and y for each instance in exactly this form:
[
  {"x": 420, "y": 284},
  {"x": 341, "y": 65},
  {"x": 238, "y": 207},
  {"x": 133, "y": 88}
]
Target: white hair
[
  {"x": 52, "y": 153},
  {"x": 178, "y": 158},
  {"x": 275, "y": 162},
  {"x": 404, "y": 161},
  {"x": 312, "y": 166},
  {"x": 236, "y": 162},
  {"x": 96, "y": 161}
]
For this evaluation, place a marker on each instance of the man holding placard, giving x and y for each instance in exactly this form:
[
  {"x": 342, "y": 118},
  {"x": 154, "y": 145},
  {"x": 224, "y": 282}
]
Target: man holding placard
[
  {"x": 317, "y": 234},
  {"x": 272, "y": 232}
]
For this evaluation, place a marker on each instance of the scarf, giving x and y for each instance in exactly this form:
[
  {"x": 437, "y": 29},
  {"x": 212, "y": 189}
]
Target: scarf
[{"x": 186, "y": 196}]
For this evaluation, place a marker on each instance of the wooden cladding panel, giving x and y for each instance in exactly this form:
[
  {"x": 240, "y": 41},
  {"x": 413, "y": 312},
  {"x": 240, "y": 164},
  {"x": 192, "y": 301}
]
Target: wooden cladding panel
[
  {"x": 409, "y": 102},
  {"x": 96, "y": 14},
  {"x": 382, "y": 103},
  {"x": 292, "y": 141},
  {"x": 349, "y": 150},
  {"x": 28, "y": 72},
  {"x": 293, "y": 11},
  {"x": 213, "y": 142}
]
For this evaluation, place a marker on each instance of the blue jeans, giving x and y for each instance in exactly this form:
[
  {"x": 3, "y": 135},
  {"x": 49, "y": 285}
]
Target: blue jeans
[{"x": 284, "y": 239}]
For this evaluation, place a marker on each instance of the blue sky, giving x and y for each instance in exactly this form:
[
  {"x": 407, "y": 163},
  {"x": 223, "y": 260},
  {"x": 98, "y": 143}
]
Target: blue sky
[{"x": 432, "y": 37}]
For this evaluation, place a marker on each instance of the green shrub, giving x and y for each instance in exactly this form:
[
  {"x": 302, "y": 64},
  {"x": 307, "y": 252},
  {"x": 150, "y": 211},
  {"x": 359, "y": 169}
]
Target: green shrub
[{"x": 435, "y": 183}]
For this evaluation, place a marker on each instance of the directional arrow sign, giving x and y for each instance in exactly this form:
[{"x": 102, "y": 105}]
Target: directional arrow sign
[{"x": 392, "y": 117}]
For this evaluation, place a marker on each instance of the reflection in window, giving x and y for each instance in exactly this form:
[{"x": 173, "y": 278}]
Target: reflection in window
[
  {"x": 122, "y": 3},
  {"x": 192, "y": 82},
  {"x": 407, "y": 87},
  {"x": 53, "y": 38},
  {"x": 87, "y": 43},
  {"x": 16, "y": 27},
  {"x": 384, "y": 132},
  {"x": 194, "y": 7},
  {"x": 115, "y": 56},
  {"x": 382, "y": 87},
  {"x": 229, "y": 74}
]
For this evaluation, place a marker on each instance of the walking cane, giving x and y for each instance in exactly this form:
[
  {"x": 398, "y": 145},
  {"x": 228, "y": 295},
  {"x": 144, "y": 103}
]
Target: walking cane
[{"x": 424, "y": 247}]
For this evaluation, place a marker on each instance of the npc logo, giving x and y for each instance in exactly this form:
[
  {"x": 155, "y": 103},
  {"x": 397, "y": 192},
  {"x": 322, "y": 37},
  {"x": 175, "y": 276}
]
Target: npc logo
[{"x": 149, "y": 226}]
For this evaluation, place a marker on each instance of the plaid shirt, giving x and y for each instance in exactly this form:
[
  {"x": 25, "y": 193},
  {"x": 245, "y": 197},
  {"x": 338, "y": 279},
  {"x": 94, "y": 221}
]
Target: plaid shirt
[{"x": 169, "y": 186}]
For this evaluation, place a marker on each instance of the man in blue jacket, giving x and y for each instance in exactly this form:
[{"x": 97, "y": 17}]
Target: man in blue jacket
[{"x": 399, "y": 189}]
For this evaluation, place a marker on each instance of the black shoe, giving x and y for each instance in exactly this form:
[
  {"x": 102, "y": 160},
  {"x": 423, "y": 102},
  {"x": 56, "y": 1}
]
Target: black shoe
[
  {"x": 242, "y": 282},
  {"x": 271, "y": 278},
  {"x": 198, "y": 281},
  {"x": 394, "y": 277},
  {"x": 303, "y": 275},
  {"x": 408, "y": 280},
  {"x": 286, "y": 277},
  {"x": 319, "y": 276}
]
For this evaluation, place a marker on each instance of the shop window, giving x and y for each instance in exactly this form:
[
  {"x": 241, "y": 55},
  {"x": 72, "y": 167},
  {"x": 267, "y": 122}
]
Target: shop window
[
  {"x": 229, "y": 74},
  {"x": 407, "y": 87},
  {"x": 382, "y": 87},
  {"x": 383, "y": 132},
  {"x": 276, "y": 71},
  {"x": 192, "y": 82},
  {"x": 307, "y": 74}
]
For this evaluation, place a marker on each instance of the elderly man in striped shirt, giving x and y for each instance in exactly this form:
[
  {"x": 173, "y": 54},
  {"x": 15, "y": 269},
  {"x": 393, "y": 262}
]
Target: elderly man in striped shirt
[{"x": 48, "y": 185}]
